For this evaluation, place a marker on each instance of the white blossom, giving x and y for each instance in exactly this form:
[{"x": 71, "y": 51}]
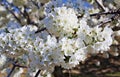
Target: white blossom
[
  {"x": 3, "y": 60},
  {"x": 66, "y": 42},
  {"x": 62, "y": 21},
  {"x": 95, "y": 39}
]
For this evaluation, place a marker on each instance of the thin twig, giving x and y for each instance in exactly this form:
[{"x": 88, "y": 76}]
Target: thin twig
[
  {"x": 13, "y": 14},
  {"x": 7, "y": 8},
  {"x": 103, "y": 13},
  {"x": 40, "y": 30},
  {"x": 27, "y": 17},
  {"x": 106, "y": 13},
  {"x": 100, "y": 4},
  {"x": 38, "y": 72},
  {"x": 13, "y": 68},
  {"x": 107, "y": 21},
  {"x": 20, "y": 66}
]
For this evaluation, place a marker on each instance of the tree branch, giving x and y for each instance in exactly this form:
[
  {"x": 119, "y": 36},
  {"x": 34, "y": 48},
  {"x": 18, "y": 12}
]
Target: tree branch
[
  {"x": 100, "y": 4},
  {"x": 12, "y": 14},
  {"x": 13, "y": 68},
  {"x": 40, "y": 30},
  {"x": 116, "y": 12},
  {"x": 38, "y": 72},
  {"x": 106, "y": 13}
]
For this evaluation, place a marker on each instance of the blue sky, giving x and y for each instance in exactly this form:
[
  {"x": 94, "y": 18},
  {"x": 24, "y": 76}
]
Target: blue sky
[{"x": 15, "y": 9}]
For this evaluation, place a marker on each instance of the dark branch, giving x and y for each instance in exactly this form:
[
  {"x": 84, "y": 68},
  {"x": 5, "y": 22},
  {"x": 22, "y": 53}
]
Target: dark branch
[
  {"x": 13, "y": 14},
  {"x": 107, "y": 21},
  {"x": 40, "y": 30},
  {"x": 113, "y": 18},
  {"x": 117, "y": 12},
  {"x": 8, "y": 9},
  {"x": 20, "y": 66},
  {"x": 26, "y": 16},
  {"x": 38, "y": 72},
  {"x": 106, "y": 13},
  {"x": 116, "y": 28},
  {"x": 100, "y": 5},
  {"x": 115, "y": 45},
  {"x": 13, "y": 68}
]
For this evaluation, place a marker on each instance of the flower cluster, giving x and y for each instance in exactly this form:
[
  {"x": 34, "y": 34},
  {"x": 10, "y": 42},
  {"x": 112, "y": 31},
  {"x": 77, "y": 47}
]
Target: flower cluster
[
  {"x": 62, "y": 21},
  {"x": 69, "y": 40},
  {"x": 14, "y": 39}
]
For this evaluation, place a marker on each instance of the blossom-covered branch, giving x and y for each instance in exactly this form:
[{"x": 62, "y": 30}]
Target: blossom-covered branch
[{"x": 60, "y": 38}]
